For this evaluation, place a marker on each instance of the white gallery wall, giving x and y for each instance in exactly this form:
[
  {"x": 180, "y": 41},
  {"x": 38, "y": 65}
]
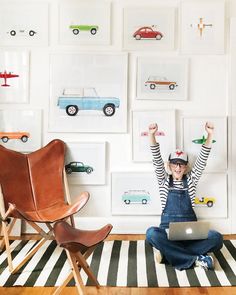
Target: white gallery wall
[{"x": 117, "y": 64}]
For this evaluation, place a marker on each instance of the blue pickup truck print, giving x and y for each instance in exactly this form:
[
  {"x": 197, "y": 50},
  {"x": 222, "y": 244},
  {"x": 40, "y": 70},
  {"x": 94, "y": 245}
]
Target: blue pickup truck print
[{"x": 87, "y": 99}]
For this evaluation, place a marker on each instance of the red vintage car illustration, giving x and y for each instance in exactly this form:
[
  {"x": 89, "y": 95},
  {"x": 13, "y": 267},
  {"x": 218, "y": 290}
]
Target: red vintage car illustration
[{"x": 147, "y": 33}]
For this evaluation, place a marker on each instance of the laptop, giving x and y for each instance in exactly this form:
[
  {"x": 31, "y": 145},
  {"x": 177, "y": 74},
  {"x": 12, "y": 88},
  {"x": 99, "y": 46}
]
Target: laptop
[{"x": 190, "y": 230}]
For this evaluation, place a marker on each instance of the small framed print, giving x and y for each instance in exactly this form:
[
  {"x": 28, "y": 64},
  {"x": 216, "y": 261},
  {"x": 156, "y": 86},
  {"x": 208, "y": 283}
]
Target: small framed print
[
  {"x": 211, "y": 196},
  {"x": 14, "y": 76},
  {"x": 160, "y": 78},
  {"x": 165, "y": 120},
  {"x": 203, "y": 27},
  {"x": 88, "y": 92},
  {"x": 194, "y": 135},
  {"x": 84, "y": 23},
  {"x": 135, "y": 193},
  {"x": 21, "y": 129},
  {"x": 149, "y": 28},
  {"x": 85, "y": 163},
  {"x": 24, "y": 23}
]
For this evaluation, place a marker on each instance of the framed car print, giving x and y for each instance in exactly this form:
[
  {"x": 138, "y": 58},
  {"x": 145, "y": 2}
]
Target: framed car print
[
  {"x": 14, "y": 76},
  {"x": 149, "y": 28},
  {"x": 141, "y": 120},
  {"x": 134, "y": 193},
  {"x": 203, "y": 27},
  {"x": 85, "y": 162},
  {"x": 194, "y": 135},
  {"x": 24, "y": 23},
  {"x": 84, "y": 23},
  {"x": 88, "y": 92},
  {"x": 21, "y": 129},
  {"x": 162, "y": 78},
  {"x": 211, "y": 196}
]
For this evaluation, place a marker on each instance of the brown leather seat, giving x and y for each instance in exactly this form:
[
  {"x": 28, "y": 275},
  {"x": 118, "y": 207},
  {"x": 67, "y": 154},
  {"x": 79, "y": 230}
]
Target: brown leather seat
[
  {"x": 79, "y": 245},
  {"x": 34, "y": 188}
]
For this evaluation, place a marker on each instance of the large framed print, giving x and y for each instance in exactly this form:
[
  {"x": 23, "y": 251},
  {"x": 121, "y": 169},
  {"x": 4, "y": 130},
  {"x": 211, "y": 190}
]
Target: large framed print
[
  {"x": 88, "y": 92},
  {"x": 211, "y": 196},
  {"x": 162, "y": 78},
  {"x": 14, "y": 76},
  {"x": 203, "y": 27},
  {"x": 165, "y": 120},
  {"x": 24, "y": 23},
  {"x": 149, "y": 28},
  {"x": 85, "y": 162},
  {"x": 85, "y": 23},
  {"x": 194, "y": 135},
  {"x": 21, "y": 129},
  {"x": 135, "y": 193}
]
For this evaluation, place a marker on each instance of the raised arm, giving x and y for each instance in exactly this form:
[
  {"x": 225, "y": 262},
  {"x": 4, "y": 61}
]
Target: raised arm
[
  {"x": 201, "y": 160},
  {"x": 156, "y": 155},
  {"x": 209, "y": 127}
]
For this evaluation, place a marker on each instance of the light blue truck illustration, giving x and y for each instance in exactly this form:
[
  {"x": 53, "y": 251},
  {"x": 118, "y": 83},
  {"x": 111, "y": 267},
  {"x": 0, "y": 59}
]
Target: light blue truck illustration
[
  {"x": 87, "y": 99},
  {"x": 136, "y": 196}
]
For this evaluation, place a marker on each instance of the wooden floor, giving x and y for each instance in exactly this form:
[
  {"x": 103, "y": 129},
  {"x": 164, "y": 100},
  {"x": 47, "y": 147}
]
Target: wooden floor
[{"x": 122, "y": 290}]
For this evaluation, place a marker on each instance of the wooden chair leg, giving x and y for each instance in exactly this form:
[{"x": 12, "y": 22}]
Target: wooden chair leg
[
  {"x": 9, "y": 228},
  {"x": 6, "y": 241},
  {"x": 76, "y": 273},
  {"x": 29, "y": 255},
  {"x": 66, "y": 281},
  {"x": 83, "y": 263}
]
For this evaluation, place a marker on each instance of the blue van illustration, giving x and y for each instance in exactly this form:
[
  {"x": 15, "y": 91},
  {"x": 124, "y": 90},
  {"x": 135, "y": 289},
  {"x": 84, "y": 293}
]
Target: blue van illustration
[{"x": 136, "y": 196}]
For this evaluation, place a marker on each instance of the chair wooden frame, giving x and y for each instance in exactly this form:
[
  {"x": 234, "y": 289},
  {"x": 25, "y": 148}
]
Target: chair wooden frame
[{"x": 46, "y": 235}]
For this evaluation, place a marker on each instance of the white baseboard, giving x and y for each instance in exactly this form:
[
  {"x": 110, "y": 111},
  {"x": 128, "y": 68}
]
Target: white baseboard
[{"x": 130, "y": 225}]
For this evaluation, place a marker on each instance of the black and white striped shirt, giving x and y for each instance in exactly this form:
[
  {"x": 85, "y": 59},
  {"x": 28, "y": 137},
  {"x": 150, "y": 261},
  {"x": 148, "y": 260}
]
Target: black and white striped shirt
[{"x": 192, "y": 177}]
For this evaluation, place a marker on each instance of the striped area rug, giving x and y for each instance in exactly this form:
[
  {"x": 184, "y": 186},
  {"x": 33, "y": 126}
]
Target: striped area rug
[{"x": 116, "y": 263}]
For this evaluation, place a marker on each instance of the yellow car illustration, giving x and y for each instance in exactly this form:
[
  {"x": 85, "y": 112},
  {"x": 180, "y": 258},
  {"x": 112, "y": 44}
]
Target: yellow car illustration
[{"x": 207, "y": 201}]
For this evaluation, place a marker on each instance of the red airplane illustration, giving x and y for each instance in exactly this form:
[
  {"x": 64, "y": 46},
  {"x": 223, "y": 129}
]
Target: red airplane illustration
[{"x": 6, "y": 76}]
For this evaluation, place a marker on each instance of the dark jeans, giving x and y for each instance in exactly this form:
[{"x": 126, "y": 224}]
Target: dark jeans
[{"x": 183, "y": 254}]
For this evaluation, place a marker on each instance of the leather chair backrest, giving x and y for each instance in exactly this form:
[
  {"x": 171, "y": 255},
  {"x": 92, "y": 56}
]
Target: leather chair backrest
[{"x": 33, "y": 181}]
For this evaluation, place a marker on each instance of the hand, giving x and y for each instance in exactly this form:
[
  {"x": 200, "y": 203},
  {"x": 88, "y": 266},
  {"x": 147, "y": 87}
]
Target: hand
[
  {"x": 152, "y": 128},
  {"x": 209, "y": 127}
]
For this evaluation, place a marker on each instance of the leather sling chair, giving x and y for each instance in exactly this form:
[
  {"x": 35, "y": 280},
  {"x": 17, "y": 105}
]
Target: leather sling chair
[
  {"x": 79, "y": 245},
  {"x": 34, "y": 189}
]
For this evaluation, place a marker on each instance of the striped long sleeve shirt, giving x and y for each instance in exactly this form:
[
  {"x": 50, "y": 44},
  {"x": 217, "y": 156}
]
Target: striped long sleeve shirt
[{"x": 192, "y": 177}]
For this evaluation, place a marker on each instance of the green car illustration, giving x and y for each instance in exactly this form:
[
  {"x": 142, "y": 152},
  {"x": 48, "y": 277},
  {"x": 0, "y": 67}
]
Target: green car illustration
[
  {"x": 136, "y": 196},
  {"x": 78, "y": 167},
  {"x": 78, "y": 28}
]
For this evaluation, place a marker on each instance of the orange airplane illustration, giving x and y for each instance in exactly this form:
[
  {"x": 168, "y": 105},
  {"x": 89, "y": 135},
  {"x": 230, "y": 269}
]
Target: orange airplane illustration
[
  {"x": 201, "y": 26},
  {"x": 6, "y": 76}
]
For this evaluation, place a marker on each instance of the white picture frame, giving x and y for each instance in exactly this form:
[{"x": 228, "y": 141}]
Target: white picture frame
[
  {"x": 96, "y": 80},
  {"x": 160, "y": 28},
  {"x": 84, "y": 23},
  {"x": 130, "y": 185},
  {"x": 212, "y": 187},
  {"x": 194, "y": 130},
  {"x": 162, "y": 78},
  {"x": 203, "y": 27},
  {"x": 14, "y": 76},
  {"x": 21, "y": 129},
  {"x": 166, "y": 128},
  {"x": 24, "y": 23},
  {"x": 89, "y": 163}
]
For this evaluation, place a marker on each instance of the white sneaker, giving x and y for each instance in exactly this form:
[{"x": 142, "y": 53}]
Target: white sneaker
[{"x": 158, "y": 255}]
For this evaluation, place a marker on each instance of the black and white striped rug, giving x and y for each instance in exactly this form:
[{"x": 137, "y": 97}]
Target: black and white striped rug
[{"x": 116, "y": 263}]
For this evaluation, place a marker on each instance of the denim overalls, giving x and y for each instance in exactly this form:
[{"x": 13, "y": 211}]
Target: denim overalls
[
  {"x": 178, "y": 205},
  {"x": 180, "y": 254}
]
